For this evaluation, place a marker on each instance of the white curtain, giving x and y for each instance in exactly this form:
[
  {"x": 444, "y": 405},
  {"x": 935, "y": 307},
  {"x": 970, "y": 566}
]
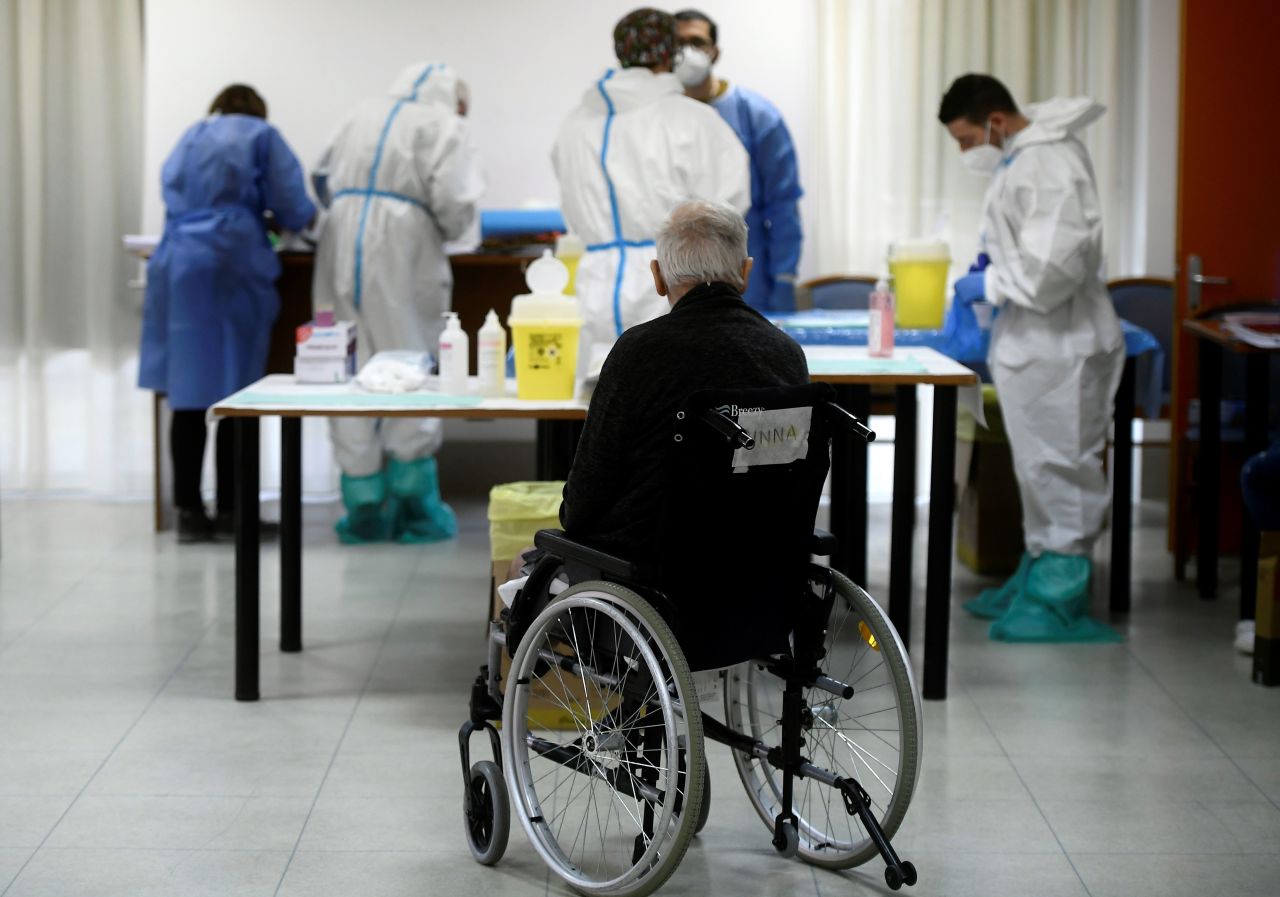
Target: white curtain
[
  {"x": 889, "y": 170},
  {"x": 70, "y": 168}
]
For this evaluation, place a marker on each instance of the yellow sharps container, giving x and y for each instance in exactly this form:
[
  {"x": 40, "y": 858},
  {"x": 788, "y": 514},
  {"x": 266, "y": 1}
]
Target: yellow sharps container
[
  {"x": 919, "y": 270},
  {"x": 545, "y": 328}
]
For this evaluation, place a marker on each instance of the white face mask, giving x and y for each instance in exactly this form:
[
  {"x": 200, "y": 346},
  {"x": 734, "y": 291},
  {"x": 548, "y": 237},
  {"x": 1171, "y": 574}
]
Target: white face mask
[
  {"x": 693, "y": 67},
  {"x": 984, "y": 158}
]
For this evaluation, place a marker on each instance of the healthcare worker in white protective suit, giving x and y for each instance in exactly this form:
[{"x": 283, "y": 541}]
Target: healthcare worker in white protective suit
[
  {"x": 400, "y": 179},
  {"x": 1057, "y": 350},
  {"x": 634, "y": 149}
]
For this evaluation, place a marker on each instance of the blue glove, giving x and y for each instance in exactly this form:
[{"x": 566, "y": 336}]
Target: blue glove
[
  {"x": 971, "y": 288},
  {"x": 783, "y": 296},
  {"x": 980, "y": 263}
]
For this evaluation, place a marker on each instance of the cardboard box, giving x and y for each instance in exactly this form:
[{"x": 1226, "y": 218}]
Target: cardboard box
[
  {"x": 335, "y": 341},
  {"x": 1266, "y": 643},
  {"x": 989, "y": 525},
  {"x": 322, "y": 369},
  {"x": 568, "y": 708}
]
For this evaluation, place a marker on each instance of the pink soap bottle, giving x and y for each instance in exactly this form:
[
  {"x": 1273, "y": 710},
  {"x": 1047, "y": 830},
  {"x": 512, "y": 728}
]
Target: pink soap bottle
[{"x": 880, "y": 325}]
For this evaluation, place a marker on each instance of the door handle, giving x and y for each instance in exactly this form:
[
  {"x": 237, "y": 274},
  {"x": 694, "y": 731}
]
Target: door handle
[{"x": 1195, "y": 280}]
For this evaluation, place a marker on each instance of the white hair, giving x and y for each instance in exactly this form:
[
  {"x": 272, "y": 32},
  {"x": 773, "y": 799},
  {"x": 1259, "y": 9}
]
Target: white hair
[{"x": 703, "y": 241}]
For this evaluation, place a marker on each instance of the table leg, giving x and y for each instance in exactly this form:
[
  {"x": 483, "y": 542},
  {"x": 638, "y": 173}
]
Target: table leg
[
  {"x": 1208, "y": 473},
  {"x": 1256, "y": 412},
  {"x": 1122, "y": 492},
  {"x": 557, "y": 442},
  {"x": 291, "y": 534},
  {"x": 246, "y": 516},
  {"x": 904, "y": 510},
  {"x": 942, "y": 494}
]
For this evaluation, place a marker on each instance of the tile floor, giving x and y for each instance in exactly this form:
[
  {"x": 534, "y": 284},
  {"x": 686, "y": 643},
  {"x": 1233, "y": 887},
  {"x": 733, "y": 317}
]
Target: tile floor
[{"x": 1148, "y": 768}]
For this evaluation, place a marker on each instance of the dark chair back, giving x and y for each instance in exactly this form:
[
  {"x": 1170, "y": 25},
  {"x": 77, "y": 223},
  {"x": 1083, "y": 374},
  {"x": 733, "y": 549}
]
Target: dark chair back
[
  {"x": 736, "y": 532},
  {"x": 839, "y": 291},
  {"x": 1148, "y": 303}
]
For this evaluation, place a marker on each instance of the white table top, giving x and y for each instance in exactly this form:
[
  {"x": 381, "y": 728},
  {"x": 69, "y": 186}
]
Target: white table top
[{"x": 279, "y": 394}]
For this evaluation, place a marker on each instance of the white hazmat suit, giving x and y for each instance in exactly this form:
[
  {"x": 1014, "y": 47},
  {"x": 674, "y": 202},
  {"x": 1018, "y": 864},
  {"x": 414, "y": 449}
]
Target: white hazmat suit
[
  {"x": 635, "y": 148},
  {"x": 401, "y": 179},
  {"x": 1057, "y": 351}
]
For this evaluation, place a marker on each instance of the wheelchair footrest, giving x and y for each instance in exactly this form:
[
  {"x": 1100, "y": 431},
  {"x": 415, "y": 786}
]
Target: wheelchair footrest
[{"x": 857, "y": 802}]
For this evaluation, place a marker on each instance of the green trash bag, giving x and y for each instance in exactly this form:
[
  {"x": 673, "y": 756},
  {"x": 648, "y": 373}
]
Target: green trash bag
[
  {"x": 415, "y": 508},
  {"x": 992, "y": 604},
  {"x": 1053, "y": 606},
  {"x": 363, "y": 497}
]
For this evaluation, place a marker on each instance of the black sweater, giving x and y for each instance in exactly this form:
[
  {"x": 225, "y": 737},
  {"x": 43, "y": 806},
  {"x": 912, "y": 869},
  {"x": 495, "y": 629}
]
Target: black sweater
[{"x": 710, "y": 340}]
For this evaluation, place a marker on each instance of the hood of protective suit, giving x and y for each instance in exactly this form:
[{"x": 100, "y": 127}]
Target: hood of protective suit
[
  {"x": 1056, "y": 119},
  {"x": 438, "y": 88},
  {"x": 630, "y": 89}
]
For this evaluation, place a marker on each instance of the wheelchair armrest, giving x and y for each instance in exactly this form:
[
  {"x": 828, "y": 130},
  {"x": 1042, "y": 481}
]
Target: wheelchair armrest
[
  {"x": 823, "y": 543},
  {"x": 555, "y": 542}
]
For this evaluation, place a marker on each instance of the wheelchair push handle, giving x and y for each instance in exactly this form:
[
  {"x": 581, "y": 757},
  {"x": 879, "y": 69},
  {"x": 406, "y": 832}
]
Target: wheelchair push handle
[
  {"x": 847, "y": 422},
  {"x": 728, "y": 428}
]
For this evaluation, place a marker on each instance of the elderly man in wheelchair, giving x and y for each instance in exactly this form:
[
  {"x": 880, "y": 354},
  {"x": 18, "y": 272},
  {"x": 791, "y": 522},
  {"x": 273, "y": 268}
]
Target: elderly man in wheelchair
[{"x": 718, "y": 475}]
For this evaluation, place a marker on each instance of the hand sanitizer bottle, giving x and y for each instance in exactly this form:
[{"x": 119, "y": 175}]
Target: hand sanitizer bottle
[
  {"x": 880, "y": 325},
  {"x": 491, "y": 357},
  {"x": 454, "y": 347}
]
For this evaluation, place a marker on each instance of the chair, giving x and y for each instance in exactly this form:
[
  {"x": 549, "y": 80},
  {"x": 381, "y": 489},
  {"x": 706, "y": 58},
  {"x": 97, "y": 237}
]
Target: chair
[
  {"x": 1148, "y": 303},
  {"x": 837, "y": 291},
  {"x": 827, "y": 697}
]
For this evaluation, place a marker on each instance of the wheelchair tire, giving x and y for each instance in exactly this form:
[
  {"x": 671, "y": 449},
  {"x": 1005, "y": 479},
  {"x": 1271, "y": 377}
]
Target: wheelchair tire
[
  {"x": 874, "y": 737},
  {"x": 609, "y": 802},
  {"x": 487, "y": 813}
]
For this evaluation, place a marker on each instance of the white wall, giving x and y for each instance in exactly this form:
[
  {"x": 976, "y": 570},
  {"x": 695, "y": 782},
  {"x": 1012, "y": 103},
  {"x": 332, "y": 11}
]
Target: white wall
[
  {"x": 527, "y": 62},
  {"x": 1156, "y": 175}
]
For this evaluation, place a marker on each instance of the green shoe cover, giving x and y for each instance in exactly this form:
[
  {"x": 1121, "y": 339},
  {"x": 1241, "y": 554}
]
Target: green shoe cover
[
  {"x": 1054, "y": 605},
  {"x": 363, "y": 498},
  {"x": 418, "y": 514},
  {"x": 991, "y": 604}
]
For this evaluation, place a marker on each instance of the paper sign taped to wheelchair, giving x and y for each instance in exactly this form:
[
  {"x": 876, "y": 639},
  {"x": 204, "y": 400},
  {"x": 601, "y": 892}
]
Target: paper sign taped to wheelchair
[{"x": 781, "y": 435}]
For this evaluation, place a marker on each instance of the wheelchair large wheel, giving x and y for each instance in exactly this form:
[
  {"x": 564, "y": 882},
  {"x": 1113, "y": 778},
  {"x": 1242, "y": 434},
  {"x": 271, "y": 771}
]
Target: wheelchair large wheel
[
  {"x": 874, "y": 737},
  {"x": 610, "y": 802}
]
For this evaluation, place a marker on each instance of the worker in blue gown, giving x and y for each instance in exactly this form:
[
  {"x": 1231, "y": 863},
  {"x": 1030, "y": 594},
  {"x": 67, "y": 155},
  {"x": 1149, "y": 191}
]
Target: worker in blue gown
[
  {"x": 774, "y": 233},
  {"x": 211, "y": 298}
]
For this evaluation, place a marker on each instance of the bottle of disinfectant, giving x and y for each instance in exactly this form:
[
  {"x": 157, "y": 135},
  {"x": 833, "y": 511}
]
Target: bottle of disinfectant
[
  {"x": 491, "y": 357},
  {"x": 454, "y": 348},
  {"x": 880, "y": 325}
]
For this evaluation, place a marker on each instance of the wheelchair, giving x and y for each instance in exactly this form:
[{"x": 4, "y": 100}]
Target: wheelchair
[{"x": 820, "y": 707}]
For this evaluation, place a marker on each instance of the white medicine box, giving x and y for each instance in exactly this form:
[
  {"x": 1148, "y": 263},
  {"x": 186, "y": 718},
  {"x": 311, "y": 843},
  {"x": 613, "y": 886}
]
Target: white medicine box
[
  {"x": 320, "y": 369},
  {"x": 337, "y": 340}
]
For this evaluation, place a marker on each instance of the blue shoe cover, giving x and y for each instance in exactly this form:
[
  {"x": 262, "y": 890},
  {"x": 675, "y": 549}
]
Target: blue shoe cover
[
  {"x": 1054, "y": 605},
  {"x": 418, "y": 513},
  {"x": 992, "y": 604},
  {"x": 363, "y": 497}
]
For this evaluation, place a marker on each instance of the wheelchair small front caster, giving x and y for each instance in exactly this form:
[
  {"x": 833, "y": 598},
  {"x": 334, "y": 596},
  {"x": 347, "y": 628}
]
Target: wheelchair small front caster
[
  {"x": 897, "y": 876},
  {"x": 487, "y": 813},
  {"x": 786, "y": 840}
]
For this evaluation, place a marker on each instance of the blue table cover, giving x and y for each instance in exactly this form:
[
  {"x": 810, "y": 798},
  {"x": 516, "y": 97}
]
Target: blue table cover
[
  {"x": 515, "y": 222},
  {"x": 831, "y": 327}
]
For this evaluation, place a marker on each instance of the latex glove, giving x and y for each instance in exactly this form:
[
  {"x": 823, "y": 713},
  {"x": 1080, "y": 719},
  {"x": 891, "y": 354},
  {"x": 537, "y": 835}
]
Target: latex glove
[
  {"x": 783, "y": 297},
  {"x": 970, "y": 289},
  {"x": 980, "y": 263}
]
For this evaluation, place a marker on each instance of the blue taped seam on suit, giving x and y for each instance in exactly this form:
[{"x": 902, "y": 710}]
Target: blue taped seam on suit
[
  {"x": 371, "y": 191},
  {"x": 618, "y": 242},
  {"x": 614, "y": 244},
  {"x": 383, "y": 194}
]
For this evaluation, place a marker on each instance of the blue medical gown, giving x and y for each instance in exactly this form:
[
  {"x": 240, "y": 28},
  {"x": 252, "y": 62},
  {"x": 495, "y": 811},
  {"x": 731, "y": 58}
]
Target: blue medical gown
[
  {"x": 211, "y": 295},
  {"x": 775, "y": 235}
]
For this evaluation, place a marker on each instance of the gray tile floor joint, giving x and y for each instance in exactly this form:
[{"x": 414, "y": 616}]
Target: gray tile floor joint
[
  {"x": 1017, "y": 772},
  {"x": 195, "y": 643},
  {"x": 364, "y": 688},
  {"x": 1199, "y": 725}
]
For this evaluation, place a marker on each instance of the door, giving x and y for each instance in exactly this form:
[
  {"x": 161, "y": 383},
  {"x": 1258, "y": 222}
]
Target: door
[{"x": 1228, "y": 240}]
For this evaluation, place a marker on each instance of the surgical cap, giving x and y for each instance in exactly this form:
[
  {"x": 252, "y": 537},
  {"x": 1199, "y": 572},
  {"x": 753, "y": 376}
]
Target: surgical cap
[{"x": 645, "y": 37}]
